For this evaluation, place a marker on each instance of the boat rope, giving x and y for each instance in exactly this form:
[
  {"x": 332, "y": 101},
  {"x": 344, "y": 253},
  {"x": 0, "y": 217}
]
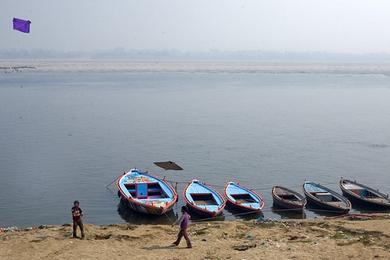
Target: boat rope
[
  {"x": 108, "y": 185},
  {"x": 114, "y": 195},
  {"x": 264, "y": 188},
  {"x": 170, "y": 220}
]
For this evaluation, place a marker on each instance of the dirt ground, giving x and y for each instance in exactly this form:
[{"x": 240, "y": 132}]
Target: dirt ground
[{"x": 304, "y": 239}]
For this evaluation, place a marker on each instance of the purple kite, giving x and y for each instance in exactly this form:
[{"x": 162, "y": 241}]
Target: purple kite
[{"x": 21, "y": 25}]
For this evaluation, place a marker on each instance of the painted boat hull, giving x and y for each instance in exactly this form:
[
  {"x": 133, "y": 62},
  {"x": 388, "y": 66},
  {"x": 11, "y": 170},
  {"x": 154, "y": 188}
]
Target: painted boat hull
[
  {"x": 259, "y": 202},
  {"x": 311, "y": 199},
  {"x": 285, "y": 205},
  {"x": 281, "y": 203},
  {"x": 202, "y": 211},
  {"x": 149, "y": 210},
  {"x": 147, "y": 207},
  {"x": 327, "y": 207},
  {"x": 362, "y": 201},
  {"x": 131, "y": 216},
  {"x": 238, "y": 207}
]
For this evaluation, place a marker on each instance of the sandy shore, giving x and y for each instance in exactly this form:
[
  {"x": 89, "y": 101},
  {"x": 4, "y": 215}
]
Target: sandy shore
[{"x": 304, "y": 239}]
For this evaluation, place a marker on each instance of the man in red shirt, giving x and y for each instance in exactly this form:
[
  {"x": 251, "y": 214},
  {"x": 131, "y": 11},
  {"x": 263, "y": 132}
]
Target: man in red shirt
[{"x": 77, "y": 214}]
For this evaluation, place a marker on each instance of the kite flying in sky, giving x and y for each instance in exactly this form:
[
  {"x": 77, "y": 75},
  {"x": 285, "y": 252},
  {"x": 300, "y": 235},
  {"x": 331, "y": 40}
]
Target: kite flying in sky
[{"x": 21, "y": 25}]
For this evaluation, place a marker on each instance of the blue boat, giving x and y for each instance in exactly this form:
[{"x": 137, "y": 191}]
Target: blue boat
[
  {"x": 325, "y": 198},
  {"x": 146, "y": 193},
  {"x": 203, "y": 200},
  {"x": 243, "y": 199}
]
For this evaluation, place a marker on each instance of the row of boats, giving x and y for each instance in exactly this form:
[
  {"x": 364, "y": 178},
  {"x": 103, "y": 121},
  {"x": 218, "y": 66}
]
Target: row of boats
[{"x": 151, "y": 195}]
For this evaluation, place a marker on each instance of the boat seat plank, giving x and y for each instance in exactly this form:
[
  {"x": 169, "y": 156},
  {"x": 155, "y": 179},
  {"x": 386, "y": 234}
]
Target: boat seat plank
[
  {"x": 321, "y": 193},
  {"x": 289, "y": 196},
  {"x": 351, "y": 186},
  {"x": 154, "y": 189},
  {"x": 243, "y": 198},
  {"x": 283, "y": 193},
  {"x": 336, "y": 203}
]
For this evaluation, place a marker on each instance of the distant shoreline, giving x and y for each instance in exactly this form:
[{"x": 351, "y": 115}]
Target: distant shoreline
[{"x": 251, "y": 67}]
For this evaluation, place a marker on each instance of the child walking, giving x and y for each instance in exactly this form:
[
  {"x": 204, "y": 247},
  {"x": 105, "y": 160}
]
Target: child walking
[
  {"x": 77, "y": 215},
  {"x": 184, "y": 222}
]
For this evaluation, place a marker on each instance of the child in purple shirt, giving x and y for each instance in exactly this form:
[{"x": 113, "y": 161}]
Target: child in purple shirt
[{"x": 184, "y": 221}]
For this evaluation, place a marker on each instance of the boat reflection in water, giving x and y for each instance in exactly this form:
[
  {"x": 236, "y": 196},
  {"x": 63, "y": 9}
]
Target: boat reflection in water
[
  {"x": 288, "y": 214},
  {"x": 318, "y": 211},
  {"x": 236, "y": 213},
  {"x": 133, "y": 217},
  {"x": 364, "y": 208}
]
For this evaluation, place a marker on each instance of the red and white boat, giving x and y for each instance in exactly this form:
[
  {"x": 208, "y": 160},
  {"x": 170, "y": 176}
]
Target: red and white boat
[{"x": 146, "y": 193}]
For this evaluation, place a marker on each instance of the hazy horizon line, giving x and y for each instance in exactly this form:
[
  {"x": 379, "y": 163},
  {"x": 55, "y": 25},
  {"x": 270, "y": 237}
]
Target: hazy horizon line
[{"x": 174, "y": 54}]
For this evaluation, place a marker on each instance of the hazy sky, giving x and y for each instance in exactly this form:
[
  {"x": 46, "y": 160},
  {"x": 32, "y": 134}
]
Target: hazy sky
[{"x": 351, "y": 26}]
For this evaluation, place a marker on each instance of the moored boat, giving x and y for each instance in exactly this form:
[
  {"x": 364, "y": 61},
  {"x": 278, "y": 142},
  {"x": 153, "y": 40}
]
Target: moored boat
[
  {"x": 284, "y": 198},
  {"x": 364, "y": 195},
  {"x": 243, "y": 199},
  {"x": 146, "y": 193},
  {"x": 203, "y": 200},
  {"x": 325, "y": 198}
]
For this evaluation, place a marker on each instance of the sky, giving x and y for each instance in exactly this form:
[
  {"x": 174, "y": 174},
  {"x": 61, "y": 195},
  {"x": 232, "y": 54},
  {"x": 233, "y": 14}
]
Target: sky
[{"x": 335, "y": 26}]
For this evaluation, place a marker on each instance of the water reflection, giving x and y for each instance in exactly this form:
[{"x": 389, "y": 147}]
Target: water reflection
[
  {"x": 134, "y": 217},
  {"x": 367, "y": 208},
  {"x": 321, "y": 211},
  {"x": 245, "y": 215},
  {"x": 288, "y": 214}
]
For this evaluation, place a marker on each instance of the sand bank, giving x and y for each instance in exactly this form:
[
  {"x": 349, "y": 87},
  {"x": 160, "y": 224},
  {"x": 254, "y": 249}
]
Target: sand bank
[{"x": 304, "y": 239}]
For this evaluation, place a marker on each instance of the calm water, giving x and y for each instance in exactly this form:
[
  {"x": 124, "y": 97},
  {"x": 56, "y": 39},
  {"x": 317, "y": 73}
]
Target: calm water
[{"x": 65, "y": 135}]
